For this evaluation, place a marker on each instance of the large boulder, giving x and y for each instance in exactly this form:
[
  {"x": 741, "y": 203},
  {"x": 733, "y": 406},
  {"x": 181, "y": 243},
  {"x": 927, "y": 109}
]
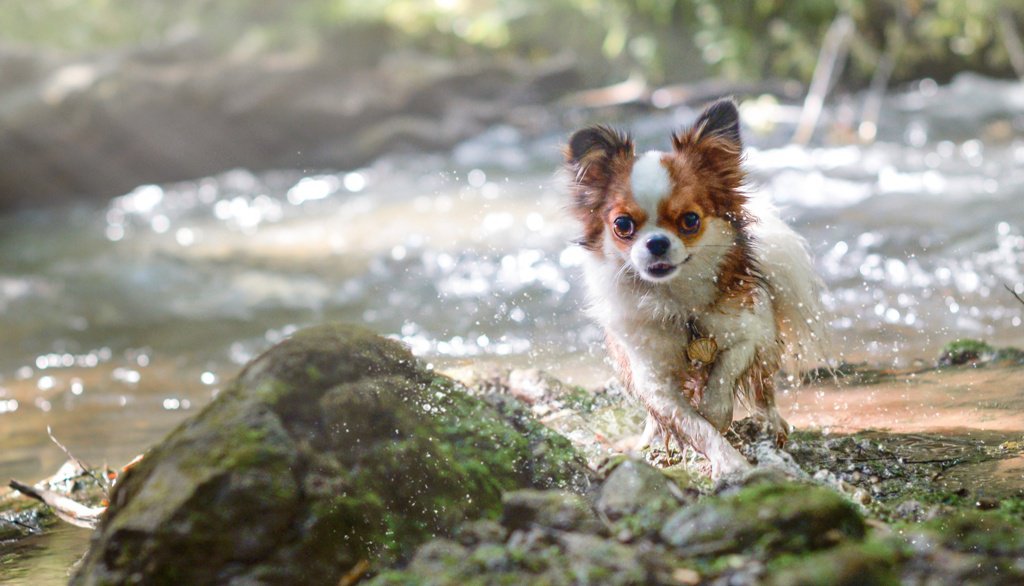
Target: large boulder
[{"x": 332, "y": 448}]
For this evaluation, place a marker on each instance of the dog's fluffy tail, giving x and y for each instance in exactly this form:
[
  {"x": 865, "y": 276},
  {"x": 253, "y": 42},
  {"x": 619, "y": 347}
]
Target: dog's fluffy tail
[{"x": 795, "y": 287}]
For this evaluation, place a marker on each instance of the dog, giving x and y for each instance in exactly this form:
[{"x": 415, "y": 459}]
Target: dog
[{"x": 703, "y": 292}]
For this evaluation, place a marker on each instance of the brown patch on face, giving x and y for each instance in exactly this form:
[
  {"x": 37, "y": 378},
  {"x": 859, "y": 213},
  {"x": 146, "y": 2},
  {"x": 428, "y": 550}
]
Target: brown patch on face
[
  {"x": 688, "y": 196},
  {"x": 621, "y": 203},
  {"x": 599, "y": 160},
  {"x": 707, "y": 178}
]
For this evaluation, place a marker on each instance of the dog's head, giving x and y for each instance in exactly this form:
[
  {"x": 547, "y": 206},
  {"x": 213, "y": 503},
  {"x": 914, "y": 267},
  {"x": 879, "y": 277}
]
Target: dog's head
[{"x": 657, "y": 211}]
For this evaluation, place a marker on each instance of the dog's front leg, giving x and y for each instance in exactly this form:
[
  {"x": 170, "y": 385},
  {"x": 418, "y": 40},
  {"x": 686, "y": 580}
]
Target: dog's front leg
[
  {"x": 718, "y": 399},
  {"x": 656, "y": 384}
]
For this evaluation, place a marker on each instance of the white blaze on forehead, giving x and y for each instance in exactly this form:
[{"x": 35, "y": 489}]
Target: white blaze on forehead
[{"x": 650, "y": 182}]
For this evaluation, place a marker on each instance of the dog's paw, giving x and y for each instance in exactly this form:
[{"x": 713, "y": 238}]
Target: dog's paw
[
  {"x": 781, "y": 437},
  {"x": 776, "y": 427},
  {"x": 730, "y": 470}
]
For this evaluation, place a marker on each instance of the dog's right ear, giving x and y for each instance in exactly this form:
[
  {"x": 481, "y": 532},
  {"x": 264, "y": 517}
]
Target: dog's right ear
[{"x": 594, "y": 154}]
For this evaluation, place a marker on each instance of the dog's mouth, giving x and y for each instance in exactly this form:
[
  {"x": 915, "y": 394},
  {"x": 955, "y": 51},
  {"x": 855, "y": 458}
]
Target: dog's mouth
[{"x": 660, "y": 270}]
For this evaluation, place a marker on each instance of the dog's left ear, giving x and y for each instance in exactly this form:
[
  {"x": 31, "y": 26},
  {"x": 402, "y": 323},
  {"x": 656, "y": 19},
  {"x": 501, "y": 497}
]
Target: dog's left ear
[
  {"x": 719, "y": 123},
  {"x": 713, "y": 143}
]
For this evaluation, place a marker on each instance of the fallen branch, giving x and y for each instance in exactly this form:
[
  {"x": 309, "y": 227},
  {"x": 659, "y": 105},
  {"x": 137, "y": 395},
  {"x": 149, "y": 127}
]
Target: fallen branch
[{"x": 66, "y": 509}]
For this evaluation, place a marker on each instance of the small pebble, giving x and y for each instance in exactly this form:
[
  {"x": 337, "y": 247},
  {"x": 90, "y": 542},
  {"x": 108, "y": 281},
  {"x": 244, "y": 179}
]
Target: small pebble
[
  {"x": 987, "y": 503},
  {"x": 861, "y": 496},
  {"x": 685, "y": 576}
]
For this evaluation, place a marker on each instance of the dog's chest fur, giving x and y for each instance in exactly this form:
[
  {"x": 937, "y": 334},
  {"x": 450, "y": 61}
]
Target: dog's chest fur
[{"x": 630, "y": 308}]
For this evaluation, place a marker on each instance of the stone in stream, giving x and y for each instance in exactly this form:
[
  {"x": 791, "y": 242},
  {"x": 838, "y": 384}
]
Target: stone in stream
[
  {"x": 331, "y": 448},
  {"x": 636, "y": 498},
  {"x": 766, "y": 518}
]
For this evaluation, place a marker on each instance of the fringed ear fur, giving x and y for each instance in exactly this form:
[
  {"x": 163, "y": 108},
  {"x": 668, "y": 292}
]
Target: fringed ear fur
[
  {"x": 592, "y": 152},
  {"x": 712, "y": 148},
  {"x": 713, "y": 143},
  {"x": 718, "y": 124},
  {"x": 593, "y": 158}
]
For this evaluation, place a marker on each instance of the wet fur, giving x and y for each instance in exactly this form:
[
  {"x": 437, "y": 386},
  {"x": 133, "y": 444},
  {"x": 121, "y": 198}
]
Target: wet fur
[{"x": 747, "y": 280}]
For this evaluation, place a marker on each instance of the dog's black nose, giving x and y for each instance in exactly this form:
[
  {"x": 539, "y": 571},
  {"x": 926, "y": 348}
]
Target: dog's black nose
[{"x": 658, "y": 245}]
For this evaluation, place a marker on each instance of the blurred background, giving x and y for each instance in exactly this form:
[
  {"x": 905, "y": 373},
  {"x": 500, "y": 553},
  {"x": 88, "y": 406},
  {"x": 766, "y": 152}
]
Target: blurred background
[{"x": 184, "y": 184}]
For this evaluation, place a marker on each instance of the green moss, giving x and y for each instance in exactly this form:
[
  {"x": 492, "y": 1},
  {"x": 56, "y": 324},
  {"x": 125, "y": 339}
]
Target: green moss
[
  {"x": 580, "y": 399},
  {"x": 330, "y": 448},
  {"x": 856, "y": 564},
  {"x": 965, "y": 350},
  {"x": 765, "y": 519},
  {"x": 1012, "y": 509},
  {"x": 1009, "y": 354},
  {"x": 984, "y": 532}
]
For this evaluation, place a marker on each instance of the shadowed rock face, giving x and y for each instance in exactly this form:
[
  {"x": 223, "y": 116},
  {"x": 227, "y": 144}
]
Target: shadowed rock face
[{"x": 333, "y": 447}]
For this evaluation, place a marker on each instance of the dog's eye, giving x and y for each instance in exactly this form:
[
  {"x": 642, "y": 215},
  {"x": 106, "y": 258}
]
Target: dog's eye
[
  {"x": 691, "y": 222},
  {"x": 624, "y": 226}
]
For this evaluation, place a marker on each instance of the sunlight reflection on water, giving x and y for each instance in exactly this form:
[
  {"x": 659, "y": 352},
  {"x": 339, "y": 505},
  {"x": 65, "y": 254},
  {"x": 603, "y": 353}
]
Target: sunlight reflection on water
[{"x": 147, "y": 303}]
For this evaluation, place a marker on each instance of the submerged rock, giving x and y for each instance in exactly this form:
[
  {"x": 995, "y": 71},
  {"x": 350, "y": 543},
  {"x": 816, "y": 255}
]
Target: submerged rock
[{"x": 332, "y": 448}]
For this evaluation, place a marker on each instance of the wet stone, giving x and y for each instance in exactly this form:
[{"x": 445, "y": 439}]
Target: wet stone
[
  {"x": 857, "y": 564},
  {"x": 978, "y": 533},
  {"x": 480, "y": 531},
  {"x": 524, "y": 509},
  {"x": 332, "y": 448},
  {"x": 765, "y": 519},
  {"x": 637, "y": 498},
  {"x": 965, "y": 351}
]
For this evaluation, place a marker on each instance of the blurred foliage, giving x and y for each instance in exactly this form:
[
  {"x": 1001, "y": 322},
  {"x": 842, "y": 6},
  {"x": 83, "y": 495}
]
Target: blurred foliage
[{"x": 665, "y": 40}]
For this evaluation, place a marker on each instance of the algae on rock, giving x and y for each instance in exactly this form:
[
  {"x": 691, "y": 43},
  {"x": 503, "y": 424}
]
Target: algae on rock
[{"x": 333, "y": 447}]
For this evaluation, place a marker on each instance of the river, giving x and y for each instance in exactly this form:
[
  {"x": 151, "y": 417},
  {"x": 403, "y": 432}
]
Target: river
[{"x": 120, "y": 319}]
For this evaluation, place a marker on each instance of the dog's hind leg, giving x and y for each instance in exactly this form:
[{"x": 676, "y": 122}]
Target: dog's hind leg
[{"x": 764, "y": 406}]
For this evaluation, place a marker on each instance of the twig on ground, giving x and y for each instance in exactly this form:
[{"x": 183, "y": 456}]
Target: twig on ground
[
  {"x": 355, "y": 574},
  {"x": 67, "y": 509},
  {"x": 104, "y": 484}
]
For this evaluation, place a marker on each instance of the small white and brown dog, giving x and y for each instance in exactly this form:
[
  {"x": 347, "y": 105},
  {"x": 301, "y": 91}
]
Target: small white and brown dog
[{"x": 702, "y": 292}]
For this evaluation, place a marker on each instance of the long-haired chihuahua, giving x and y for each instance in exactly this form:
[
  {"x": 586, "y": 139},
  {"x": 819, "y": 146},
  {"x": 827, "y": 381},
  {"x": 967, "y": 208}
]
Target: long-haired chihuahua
[{"x": 702, "y": 292}]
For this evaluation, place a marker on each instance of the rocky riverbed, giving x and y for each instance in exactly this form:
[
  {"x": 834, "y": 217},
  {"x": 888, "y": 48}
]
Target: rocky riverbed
[{"x": 337, "y": 458}]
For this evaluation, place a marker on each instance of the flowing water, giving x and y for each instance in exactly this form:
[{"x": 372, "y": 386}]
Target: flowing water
[{"x": 121, "y": 319}]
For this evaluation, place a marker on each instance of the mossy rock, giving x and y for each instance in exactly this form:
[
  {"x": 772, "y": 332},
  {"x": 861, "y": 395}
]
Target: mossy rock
[
  {"x": 978, "y": 532},
  {"x": 873, "y": 563},
  {"x": 333, "y": 447},
  {"x": 636, "y": 498},
  {"x": 551, "y": 509},
  {"x": 764, "y": 520},
  {"x": 964, "y": 351},
  {"x": 538, "y": 557}
]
